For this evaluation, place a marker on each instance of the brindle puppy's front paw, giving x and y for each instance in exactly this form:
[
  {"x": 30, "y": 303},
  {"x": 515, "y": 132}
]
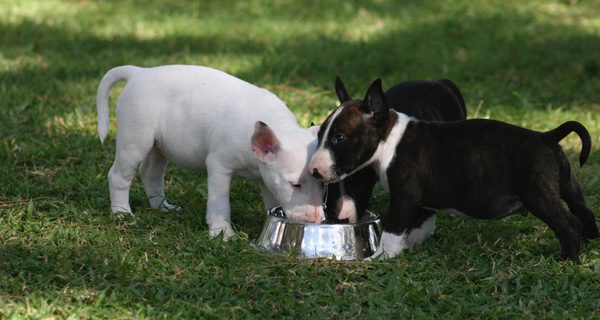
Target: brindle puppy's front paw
[
  {"x": 390, "y": 246},
  {"x": 376, "y": 256}
]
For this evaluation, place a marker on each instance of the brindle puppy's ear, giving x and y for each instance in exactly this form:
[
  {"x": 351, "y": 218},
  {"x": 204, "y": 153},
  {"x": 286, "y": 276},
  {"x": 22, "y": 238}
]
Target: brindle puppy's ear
[
  {"x": 341, "y": 91},
  {"x": 375, "y": 103}
]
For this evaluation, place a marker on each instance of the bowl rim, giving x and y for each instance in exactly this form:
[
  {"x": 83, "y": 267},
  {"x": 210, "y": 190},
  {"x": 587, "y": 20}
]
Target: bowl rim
[{"x": 370, "y": 218}]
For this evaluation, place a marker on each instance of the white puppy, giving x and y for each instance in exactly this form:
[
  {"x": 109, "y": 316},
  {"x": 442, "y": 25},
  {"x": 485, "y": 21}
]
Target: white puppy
[{"x": 202, "y": 118}]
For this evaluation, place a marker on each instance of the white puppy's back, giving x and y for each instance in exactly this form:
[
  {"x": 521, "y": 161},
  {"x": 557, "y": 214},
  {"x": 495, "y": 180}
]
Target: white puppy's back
[{"x": 192, "y": 111}]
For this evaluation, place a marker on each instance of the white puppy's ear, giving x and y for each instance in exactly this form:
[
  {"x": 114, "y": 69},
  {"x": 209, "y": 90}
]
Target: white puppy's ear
[
  {"x": 265, "y": 144},
  {"x": 314, "y": 130}
]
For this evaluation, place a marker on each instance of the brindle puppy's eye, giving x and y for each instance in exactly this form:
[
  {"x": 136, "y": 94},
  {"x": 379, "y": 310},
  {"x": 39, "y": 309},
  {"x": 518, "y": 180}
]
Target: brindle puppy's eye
[{"x": 338, "y": 138}]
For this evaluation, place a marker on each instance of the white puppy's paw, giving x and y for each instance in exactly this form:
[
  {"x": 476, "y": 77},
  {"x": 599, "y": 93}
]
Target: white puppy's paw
[
  {"x": 121, "y": 211},
  {"x": 161, "y": 204},
  {"x": 217, "y": 228},
  {"x": 123, "y": 216},
  {"x": 168, "y": 207}
]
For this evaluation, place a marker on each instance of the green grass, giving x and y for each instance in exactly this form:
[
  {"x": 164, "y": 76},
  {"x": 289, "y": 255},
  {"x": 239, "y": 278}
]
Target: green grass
[{"x": 64, "y": 255}]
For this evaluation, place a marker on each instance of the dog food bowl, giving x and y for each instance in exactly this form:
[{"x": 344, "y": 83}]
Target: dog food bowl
[{"x": 337, "y": 241}]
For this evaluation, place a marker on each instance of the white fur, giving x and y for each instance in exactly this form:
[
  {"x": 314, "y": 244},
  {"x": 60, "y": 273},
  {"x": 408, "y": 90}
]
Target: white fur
[
  {"x": 314, "y": 130},
  {"x": 322, "y": 160},
  {"x": 418, "y": 235},
  {"x": 202, "y": 118},
  {"x": 391, "y": 245},
  {"x": 347, "y": 209},
  {"x": 109, "y": 79},
  {"x": 387, "y": 149},
  {"x": 335, "y": 114}
]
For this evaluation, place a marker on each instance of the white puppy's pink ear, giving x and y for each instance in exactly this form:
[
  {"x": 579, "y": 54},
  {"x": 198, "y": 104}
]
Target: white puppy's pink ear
[{"x": 264, "y": 142}]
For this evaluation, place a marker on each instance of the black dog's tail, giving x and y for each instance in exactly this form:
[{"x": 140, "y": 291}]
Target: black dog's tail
[
  {"x": 457, "y": 93},
  {"x": 555, "y": 135}
]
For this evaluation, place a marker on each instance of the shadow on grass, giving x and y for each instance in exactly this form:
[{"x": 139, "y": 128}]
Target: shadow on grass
[
  {"x": 521, "y": 63},
  {"x": 507, "y": 65}
]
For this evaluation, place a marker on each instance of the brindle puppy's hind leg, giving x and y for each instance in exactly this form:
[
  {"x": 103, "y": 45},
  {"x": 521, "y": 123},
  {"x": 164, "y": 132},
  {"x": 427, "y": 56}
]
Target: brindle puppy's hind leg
[
  {"x": 545, "y": 204},
  {"x": 570, "y": 192}
]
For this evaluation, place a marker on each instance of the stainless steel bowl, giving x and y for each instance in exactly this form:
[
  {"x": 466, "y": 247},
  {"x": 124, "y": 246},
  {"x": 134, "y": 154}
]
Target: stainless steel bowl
[{"x": 338, "y": 241}]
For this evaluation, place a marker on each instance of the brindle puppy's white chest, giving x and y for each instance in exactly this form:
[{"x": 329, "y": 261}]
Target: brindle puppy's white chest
[{"x": 386, "y": 151}]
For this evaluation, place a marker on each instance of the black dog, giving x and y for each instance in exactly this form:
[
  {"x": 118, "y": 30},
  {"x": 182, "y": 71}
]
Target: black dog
[
  {"x": 426, "y": 100},
  {"x": 483, "y": 168}
]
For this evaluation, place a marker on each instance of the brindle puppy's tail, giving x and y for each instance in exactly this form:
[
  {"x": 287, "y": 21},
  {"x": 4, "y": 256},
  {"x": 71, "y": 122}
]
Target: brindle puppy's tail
[{"x": 555, "y": 135}]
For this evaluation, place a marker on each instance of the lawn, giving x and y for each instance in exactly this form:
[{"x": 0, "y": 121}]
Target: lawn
[{"x": 64, "y": 255}]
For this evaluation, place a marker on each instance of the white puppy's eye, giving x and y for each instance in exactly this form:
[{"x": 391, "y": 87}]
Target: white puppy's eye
[
  {"x": 296, "y": 185},
  {"x": 337, "y": 138}
]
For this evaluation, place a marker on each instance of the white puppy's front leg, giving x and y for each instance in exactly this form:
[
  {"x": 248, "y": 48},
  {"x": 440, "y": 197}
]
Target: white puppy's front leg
[
  {"x": 268, "y": 197},
  {"x": 218, "y": 211}
]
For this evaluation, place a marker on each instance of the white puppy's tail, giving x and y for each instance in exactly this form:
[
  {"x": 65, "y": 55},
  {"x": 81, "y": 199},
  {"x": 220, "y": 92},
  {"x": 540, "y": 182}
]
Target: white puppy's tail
[{"x": 113, "y": 76}]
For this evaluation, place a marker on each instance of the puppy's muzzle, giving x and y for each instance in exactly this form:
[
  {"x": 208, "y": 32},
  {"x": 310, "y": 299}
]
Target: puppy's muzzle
[{"x": 315, "y": 173}]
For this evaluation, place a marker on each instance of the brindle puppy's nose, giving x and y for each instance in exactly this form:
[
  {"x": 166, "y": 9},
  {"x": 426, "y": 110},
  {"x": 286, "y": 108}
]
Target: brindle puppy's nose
[{"x": 316, "y": 174}]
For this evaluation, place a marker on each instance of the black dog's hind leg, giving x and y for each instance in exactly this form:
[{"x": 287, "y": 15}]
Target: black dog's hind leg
[
  {"x": 546, "y": 205},
  {"x": 571, "y": 193}
]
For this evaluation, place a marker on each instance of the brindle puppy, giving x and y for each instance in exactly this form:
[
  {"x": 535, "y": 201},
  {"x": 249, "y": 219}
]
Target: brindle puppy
[{"x": 483, "y": 168}]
